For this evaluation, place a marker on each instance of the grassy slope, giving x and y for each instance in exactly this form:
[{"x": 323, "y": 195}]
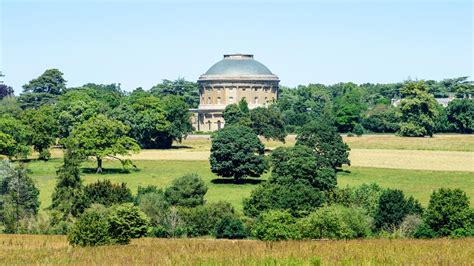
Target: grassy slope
[
  {"x": 33, "y": 249},
  {"x": 160, "y": 173}
]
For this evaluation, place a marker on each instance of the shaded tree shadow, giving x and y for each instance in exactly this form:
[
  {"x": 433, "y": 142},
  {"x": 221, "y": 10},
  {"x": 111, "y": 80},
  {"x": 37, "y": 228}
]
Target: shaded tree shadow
[
  {"x": 107, "y": 171},
  {"x": 178, "y": 147},
  {"x": 338, "y": 170},
  {"x": 231, "y": 181}
]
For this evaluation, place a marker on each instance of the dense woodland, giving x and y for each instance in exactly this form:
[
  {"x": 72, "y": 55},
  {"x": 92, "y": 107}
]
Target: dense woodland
[{"x": 300, "y": 200}]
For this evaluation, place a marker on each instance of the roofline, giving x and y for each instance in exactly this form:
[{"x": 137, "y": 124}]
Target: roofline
[{"x": 239, "y": 78}]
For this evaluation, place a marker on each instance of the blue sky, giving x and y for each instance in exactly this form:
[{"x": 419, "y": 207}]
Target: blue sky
[{"x": 139, "y": 43}]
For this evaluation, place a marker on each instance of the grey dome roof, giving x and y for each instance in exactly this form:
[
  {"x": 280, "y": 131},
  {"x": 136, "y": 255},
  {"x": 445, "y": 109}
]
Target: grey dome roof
[{"x": 238, "y": 65}]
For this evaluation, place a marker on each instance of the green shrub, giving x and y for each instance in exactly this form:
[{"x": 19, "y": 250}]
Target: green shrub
[
  {"x": 335, "y": 222},
  {"x": 461, "y": 233},
  {"x": 125, "y": 222},
  {"x": 145, "y": 190},
  {"x": 393, "y": 207},
  {"x": 449, "y": 210},
  {"x": 297, "y": 197},
  {"x": 107, "y": 194},
  {"x": 159, "y": 231},
  {"x": 155, "y": 206},
  {"x": 230, "y": 227},
  {"x": 186, "y": 191},
  {"x": 367, "y": 196},
  {"x": 276, "y": 225},
  {"x": 358, "y": 130},
  {"x": 424, "y": 231},
  {"x": 91, "y": 229},
  {"x": 202, "y": 220}
]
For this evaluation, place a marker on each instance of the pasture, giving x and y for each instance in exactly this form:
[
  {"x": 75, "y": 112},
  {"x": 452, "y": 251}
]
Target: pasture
[
  {"x": 449, "y": 163},
  {"x": 34, "y": 249}
]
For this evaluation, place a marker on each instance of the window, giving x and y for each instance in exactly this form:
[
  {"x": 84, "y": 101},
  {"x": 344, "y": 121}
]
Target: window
[
  {"x": 218, "y": 100},
  {"x": 209, "y": 100},
  {"x": 255, "y": 101},
  {"x": 219, "y": 124},
  {"x": 231, "y": 99}
]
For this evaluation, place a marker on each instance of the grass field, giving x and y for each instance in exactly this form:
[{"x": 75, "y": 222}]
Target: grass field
[
  {"x": 418, "y": 183},
  {"x": 33, "y": 249},
  {"x": 430, "y": 163}
]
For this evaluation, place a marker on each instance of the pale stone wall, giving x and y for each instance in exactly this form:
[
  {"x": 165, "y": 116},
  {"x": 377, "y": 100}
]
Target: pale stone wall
[{"x": 216, "y": 95}]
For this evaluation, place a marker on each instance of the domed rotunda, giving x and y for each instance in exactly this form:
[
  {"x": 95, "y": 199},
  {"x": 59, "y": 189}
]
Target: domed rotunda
[{"x": 236, "y": 77}]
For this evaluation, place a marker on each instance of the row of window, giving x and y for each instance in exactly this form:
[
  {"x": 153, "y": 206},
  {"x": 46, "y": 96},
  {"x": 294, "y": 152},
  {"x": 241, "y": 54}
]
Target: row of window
[{"x": 231, "y": 100}]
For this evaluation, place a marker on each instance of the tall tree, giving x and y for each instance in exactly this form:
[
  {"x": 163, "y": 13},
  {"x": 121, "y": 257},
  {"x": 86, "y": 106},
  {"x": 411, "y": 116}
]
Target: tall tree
[
  {"x": 180, "y": 87},
  {"x": 418, "y": 109},
  {"x": 102, "y": 137},
  {"x": 51, "y": 81},
  {"x": 268, "y": 122},
  {"x": 44, "y": 129},
  {"x": 237, "y": 152},
  {"x": 68, "y": 196},
  {"x": 17, "y": 137},
  {"x": 461, "y": 113},
  {"x": 237, "y": 114},
  {"x": 323, "y": 138}
]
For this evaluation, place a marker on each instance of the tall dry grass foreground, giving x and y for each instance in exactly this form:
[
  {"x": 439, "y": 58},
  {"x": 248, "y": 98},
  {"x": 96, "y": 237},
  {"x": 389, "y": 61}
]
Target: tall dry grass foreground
[{"x": 34, "y": 249}]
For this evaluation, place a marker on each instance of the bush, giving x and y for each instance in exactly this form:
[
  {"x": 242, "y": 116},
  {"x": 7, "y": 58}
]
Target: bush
[
  {"x": 155, "y": 206},
  {"x": 393, "y": 207},
  {"x": 424, "y": 231},
  {"x": 145, "y": 190},
  {"x": 101, "y": 226},
  {"x": 186, "y": 191},
  {"x": 108, "y": 194},
  {"x": 92, "y": 229},
  {"x": 125, "y": 222},
  {"x": 358, "y": 130},
  {"x": 367, "y": 197},
  {"x": 449, "y": 210},
  {"x": 276, "y": 225},
  {"x": 297, "y": 197},
  {"x": 335, "y": 222},
  {"x": 461, "y": 233},
  {"x": 202, "y": 220},
  {"x": 230, "y": 227}
]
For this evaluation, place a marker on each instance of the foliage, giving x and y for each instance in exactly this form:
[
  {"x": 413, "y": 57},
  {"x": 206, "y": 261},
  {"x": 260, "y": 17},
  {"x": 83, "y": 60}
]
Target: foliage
[
  {"x": 187, "y": 191},
  {"x": 177, "y": 113},
  {"x": 126, "y": 222},
  {"x": 302, "y": 163},
  {"x": 202, "y": 220},
  {"x": 335, "y": 222},
  {"x": 237, "y": 114},
  {"x": 358, "y": 130},
  {"x": 393, "y": 207},
  {"x": 187, "y": 89},
  {"x": 15, "y": 138},
  {"x": 449, "y": 210},
  {"x": 230, "y": 227},
  {"x": 33, "y": 100},
  {"x": 156, "y": 208},
  {"x": 91, "y": 229},
  {"x": 18, "y": 195},
  {"x": 382, "y": 119},
  {"x": 418, "y": 109},
  {"x": 325, "y": 141},
  {"x": 44, "y": 129},
  {"x": 237, "y": 152},
  {"x": 424, "y": 231},
  {"x": 103, "y": 137},
  {"x": 107, "y": 194},
  {"x": 76, "y": 107},
  {"x": 410, "y": 225},
  {"x": 276, "y": 225},
  {"x": 141, "y": 191},
  {"x": 268, "y": 122},
  {"x": 461, "y": 114},
  {"x": 365, "y": 197},
  {"x": 51, "y": 81},
  {"x": 5, "y": 91},
  {"x": 297, "y": 197},
  {"x": 349, "y": 107},
  {"x": 68, "y": 196}
]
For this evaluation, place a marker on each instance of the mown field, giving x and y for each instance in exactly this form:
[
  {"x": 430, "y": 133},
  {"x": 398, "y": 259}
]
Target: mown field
[
  {"x": 33, "y": 249},
  {"x": 449, "y": 163}
]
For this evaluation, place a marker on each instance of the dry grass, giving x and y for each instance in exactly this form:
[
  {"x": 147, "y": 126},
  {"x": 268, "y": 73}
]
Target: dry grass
[{"x": 33, "y": 249}]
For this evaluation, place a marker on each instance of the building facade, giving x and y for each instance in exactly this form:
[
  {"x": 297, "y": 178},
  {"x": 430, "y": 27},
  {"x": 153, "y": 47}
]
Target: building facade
[{"x": 236, "y": 77}]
